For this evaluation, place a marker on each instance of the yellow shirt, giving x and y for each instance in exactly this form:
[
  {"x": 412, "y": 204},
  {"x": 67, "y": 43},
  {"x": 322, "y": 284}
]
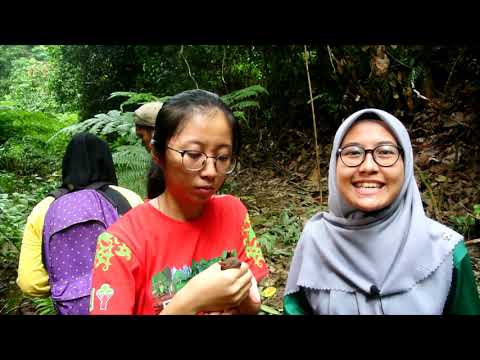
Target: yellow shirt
[{"x": 32, "y": 275}]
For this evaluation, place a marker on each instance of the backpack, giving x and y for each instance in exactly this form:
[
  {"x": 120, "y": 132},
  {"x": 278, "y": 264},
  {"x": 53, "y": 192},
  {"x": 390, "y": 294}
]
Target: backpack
[{"x": 72, "y": 224}]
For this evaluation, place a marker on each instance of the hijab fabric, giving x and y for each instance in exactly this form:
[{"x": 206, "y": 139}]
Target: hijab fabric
[
  {"x": 87, "y": 160},
  {"x": 393, "y": 249}
]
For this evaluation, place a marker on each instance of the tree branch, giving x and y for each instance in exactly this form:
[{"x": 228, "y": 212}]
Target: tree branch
[
  {"x": 188, "y": 67},
  {"x": 314, "y": 123}
]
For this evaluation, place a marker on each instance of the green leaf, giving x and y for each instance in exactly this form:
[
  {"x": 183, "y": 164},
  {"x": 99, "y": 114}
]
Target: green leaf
[
  {"x": 316, "y": 97},
  {"x": 269, "y": 310},
  {"x": 476, "y": 210},
  {"x": 120, "y": 93}
]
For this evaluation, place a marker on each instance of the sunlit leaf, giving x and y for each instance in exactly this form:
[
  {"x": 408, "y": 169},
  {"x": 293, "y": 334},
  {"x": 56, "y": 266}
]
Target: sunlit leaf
[{"x": 269, "y": 292}]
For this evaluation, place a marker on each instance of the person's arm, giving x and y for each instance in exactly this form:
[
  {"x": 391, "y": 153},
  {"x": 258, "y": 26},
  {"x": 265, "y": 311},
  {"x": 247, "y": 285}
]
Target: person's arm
[
  {"x": 32, "y": 275},
  {"x": 113, "y": 280},
  {"x": 463, "y": 297}
]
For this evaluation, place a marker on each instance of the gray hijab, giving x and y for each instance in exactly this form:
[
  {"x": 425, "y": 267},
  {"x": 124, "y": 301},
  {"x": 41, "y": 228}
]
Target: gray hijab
[{"x": 393, "y": 249}]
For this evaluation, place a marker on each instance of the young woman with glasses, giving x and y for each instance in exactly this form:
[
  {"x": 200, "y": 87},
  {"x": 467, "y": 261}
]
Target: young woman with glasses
[
  {"x": 375, "y": 251},
  {"x": 163, "y": 257}
]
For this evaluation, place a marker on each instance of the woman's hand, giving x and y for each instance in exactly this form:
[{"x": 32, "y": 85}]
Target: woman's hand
[
  {"x": 213, "y": 290},
  {"x": 249, "y": 306}
]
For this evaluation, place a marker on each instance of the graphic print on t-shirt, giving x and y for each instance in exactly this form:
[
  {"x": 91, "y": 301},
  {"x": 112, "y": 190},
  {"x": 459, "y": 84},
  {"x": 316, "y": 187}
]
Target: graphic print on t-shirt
[
  {"x": 104, "y": 293},
  {"x": 166, "y": 283},
  {"x": 252, "y": 247},
  {"x": 106, "y": 245}
]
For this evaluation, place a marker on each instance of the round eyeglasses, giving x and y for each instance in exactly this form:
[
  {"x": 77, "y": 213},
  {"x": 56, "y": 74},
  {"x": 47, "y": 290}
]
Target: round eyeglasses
[
  {"x": 193, "y": 160},
  {"x": 385, "y": 155}
]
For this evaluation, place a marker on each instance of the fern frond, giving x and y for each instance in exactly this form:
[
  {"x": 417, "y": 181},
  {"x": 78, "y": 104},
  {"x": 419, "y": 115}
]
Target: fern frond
[
  {"x": 235, "y": 96},
  {"x": 132, "y": 163},
  {"x": 246, "y": 104},
  {"x": 121, "y": 93},
  {"x": 237, "y": 101},
  {"x": 132, "y": 156},
  {"x": 112, "y": 122},
  {"x": 136, "y": 98},
  {"x": 416, "y": 73},
  {"x": 240, "y": 115}
]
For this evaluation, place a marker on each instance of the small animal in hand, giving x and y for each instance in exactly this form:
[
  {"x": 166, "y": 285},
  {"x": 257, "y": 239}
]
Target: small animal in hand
[{"x": 231, "y": 262}]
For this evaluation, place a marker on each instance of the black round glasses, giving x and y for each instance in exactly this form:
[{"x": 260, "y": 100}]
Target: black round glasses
[
  {"x": 194, "y": 160},
  {"x": 385, "y": 155}
]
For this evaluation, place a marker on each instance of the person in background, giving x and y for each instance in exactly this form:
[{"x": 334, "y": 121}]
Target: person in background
[
  {"x": 145, "y": 117},
  {"x": 88, "y": 175},
  {"x": 172, "y": 246},
  {"x": 375, "y": 251}
]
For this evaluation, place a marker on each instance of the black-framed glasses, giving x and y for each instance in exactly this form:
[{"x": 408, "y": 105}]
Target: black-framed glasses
[
  {"x": 385, "y": 155},
  {"x": 194, "y": 160}
]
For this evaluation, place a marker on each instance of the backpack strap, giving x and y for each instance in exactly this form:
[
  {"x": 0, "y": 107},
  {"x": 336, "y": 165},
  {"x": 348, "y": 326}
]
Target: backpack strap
[
  {"x": 116, "y": 199},
  {"x": 59, "y": 192},
  {"x": 63, "y": 190}
]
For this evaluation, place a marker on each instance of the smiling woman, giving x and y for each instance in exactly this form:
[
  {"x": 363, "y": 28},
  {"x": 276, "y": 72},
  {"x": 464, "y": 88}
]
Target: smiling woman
[
  {"x": 375, "y": 251},
  {"x": 164, "y": 258},
  {"x": 370, "y": 179}
]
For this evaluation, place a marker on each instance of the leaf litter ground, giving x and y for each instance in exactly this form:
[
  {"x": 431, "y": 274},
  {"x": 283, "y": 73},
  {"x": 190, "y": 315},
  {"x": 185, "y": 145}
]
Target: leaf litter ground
[{"x": 281, "y": 193}]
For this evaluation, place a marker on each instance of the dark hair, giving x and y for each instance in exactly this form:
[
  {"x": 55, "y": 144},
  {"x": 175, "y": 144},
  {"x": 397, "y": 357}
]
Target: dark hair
[
  {"x": 369, "y": 116},
  {"x": 155, "y": 181},
  {"x": 145, "y": 127},
  {"x": 373, "y": 116},
  {"x": 87, "y": 160},
  {"x": 170, "y": 120}
]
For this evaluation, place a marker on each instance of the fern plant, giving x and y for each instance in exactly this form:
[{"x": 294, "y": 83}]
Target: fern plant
[
  {"x": 131, "y": 160},
  {"x": 44, "y": 306},
  {"x": 103, "y": 124},
  {"x": 136, "y": 98},
  {"x": 241, "y": 100},
  {"x": 416, "y": 73},
  {"x": 132, "y": 163}
]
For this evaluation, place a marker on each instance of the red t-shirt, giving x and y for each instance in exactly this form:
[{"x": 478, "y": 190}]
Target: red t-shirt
[{"x": 146, "y": 255}]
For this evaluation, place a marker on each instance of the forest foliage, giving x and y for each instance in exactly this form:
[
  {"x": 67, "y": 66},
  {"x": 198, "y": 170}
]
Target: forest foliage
[
  {"x": 45, "y": 89},
  {"x": 49, "y": 92}
]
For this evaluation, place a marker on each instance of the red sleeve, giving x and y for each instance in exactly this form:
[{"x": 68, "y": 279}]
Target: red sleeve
[
  {"x": 250, "y": 252},
  {"x": 113, "y": 280}
]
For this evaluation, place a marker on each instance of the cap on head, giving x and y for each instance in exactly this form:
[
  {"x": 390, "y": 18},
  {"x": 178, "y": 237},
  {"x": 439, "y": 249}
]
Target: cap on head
[{"x": 146, "y": 114}]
